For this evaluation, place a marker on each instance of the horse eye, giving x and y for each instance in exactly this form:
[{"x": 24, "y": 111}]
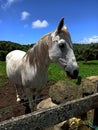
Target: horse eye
[{"x": 62, "y": 45}]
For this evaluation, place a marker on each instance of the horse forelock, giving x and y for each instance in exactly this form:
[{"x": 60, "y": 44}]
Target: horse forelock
[
  {"x": 67, "y": 36},
  {"x": 63, "y": 34}
]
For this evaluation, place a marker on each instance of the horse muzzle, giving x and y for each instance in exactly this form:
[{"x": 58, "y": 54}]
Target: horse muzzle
[{"x": 73, "y": 74}]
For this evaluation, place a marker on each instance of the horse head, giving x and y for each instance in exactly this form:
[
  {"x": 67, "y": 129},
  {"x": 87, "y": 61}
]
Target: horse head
[{"x": 61, "y": 50}]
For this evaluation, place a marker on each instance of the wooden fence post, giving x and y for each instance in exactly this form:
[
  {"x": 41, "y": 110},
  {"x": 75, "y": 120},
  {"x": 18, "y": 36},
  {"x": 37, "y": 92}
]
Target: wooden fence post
[
  {"x": 95, "y": 120},
  {"x": 48, "y": 117}
]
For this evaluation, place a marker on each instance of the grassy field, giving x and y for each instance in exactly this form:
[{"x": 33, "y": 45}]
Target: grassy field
[
  {"x": 2, "y": 69},
  {"x": 55, "y": 73},
  {"x": 88, "y": 69},
  {"x": 3, "y": 76},
  {"x": 85, "y": 69}
]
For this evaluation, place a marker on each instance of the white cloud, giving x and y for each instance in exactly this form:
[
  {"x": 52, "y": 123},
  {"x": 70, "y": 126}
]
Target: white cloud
[
  {"x": 39, "y": 24},
  {"x": 8, "y": 3},
  {"x": 92, "y": 39},
  {"x": 24, "y": 15}
]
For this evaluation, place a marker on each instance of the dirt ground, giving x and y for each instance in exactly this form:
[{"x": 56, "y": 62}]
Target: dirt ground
[{"x": 8, "y": 106}]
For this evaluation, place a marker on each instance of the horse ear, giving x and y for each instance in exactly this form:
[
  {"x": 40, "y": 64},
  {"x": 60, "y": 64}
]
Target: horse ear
[{"x": 60, "y": 25}]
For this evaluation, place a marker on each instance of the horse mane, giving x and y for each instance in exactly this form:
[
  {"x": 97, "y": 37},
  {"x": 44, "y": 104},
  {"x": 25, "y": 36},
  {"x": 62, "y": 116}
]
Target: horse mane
[{"x": 39, "y": 51}]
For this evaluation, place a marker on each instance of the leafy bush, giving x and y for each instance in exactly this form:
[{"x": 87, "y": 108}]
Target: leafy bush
[
  {"x": 7, "y": 46},
  {"x": 83, "y": 52},
  {"x": 86, "y": 51}
]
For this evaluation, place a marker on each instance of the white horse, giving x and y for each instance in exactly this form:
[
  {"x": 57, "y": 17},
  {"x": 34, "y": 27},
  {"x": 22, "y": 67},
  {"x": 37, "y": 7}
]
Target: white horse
[{"x": 28, "y": 70}]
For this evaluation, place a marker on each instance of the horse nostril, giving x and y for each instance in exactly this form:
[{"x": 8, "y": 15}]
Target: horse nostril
[{"x": 75, "y": 73}]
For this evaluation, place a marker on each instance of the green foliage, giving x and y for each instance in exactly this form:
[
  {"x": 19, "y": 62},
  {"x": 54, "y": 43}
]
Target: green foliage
[
  {"x": 86, "y": 51},
  {"x": 82, "y": 51},
  {"x": 7, "y": 46}
]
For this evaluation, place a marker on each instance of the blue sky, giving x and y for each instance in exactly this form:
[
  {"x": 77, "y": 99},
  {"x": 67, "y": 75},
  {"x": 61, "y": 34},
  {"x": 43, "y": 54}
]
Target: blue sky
[{"x": 25, "y": 21}]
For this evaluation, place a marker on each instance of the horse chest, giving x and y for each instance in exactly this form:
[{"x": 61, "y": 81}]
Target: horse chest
[
  {"x": 34, "y": 78},
  {"x": 40, "y": 81}
]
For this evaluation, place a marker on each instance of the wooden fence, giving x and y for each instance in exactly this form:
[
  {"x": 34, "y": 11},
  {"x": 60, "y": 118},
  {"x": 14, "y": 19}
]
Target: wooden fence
[{"x": 49, "y": 117}]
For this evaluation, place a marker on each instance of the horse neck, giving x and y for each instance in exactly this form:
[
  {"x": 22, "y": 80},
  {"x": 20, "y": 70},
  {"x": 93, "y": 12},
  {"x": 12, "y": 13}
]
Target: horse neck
[{"x": 38, "y": 55}]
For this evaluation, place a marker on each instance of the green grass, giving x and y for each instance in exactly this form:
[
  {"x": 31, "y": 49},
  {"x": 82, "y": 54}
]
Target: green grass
[
  {"x": 55, "y": 73},
  {"x": 88, "y": 69},
  {"x": 3, "y": 76},
  {"x": 2, "y": 69}
]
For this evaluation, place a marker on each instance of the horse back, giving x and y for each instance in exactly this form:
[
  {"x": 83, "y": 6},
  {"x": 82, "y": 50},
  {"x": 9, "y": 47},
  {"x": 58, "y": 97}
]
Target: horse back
[{"x": 13, "y": 65}]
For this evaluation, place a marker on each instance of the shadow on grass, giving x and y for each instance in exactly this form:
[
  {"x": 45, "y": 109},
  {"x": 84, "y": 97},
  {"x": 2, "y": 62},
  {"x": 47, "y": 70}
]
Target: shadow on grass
[{"x": 90, "y": 63}]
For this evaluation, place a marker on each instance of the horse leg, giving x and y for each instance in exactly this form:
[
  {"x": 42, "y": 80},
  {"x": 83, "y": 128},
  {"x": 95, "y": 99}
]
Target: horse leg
[
  {"x": 17, "y": 95},
  {"x": 27, "y": 107},
  {"x": 20, "y": 92},
  {"x": 37, "y": 97},
  {"x": 30, "y": 98}
]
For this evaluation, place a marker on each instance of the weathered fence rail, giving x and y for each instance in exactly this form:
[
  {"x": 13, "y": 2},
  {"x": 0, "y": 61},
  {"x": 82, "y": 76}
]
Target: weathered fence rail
[{"x": 49, "y": 117}]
